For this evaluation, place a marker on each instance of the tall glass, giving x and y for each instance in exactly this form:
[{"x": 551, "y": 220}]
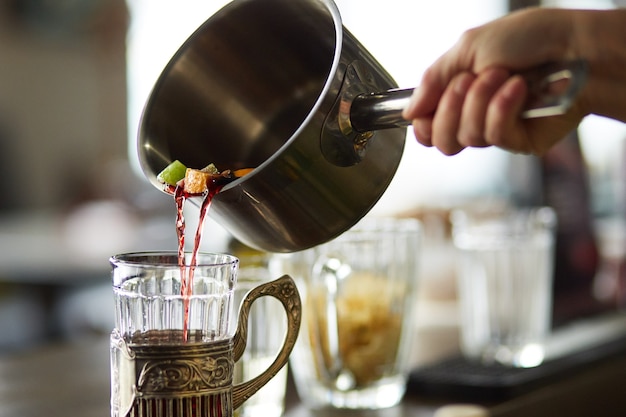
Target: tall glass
[
  {"x": 505, "y": 273},
  {"x": 358, "y": 315},
  {"x": 174, "y": 349}
]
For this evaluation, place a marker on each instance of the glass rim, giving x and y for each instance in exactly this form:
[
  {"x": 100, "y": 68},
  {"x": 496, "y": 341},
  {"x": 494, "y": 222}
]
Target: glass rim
[
  {"x": 169, "y": 259},
  {"x": 387, "y": 224},
  {"x": 379, "y": 227}
]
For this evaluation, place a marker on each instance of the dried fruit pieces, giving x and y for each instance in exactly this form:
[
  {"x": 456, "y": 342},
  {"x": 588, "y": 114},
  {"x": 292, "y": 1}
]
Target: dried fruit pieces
[
  {"x": 196, "y": 181},
  {"x": 172, "y": 173}
]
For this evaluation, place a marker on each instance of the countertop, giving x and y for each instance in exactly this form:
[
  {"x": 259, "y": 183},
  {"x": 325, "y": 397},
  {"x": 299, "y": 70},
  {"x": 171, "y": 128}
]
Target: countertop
[{"x": 72, "y": 378}]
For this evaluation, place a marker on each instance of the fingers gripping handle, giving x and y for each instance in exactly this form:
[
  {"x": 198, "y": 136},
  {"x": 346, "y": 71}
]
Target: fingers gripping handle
[
  {"x": 552, "y": 90},
  {"x": 284, "y": 289}
]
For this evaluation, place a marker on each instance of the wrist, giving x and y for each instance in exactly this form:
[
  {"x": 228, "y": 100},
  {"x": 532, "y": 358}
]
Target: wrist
[{"x": 599, "y": 37}]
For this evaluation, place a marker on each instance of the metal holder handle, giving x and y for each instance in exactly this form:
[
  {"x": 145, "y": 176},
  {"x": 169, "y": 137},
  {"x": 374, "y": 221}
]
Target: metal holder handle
[{"x": 284, "y": 289}]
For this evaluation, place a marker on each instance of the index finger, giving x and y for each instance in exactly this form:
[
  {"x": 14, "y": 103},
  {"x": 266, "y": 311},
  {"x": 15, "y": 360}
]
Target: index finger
[
  {"x": 425, "y": 98},
  {"x": 436, "y": 78}
]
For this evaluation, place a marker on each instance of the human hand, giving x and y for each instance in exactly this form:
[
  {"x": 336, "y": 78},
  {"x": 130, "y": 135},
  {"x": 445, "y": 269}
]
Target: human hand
[{"x": 473, "y": 95}]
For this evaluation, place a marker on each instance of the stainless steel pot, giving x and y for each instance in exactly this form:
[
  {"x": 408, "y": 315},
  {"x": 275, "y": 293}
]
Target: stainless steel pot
[{"x": 283, "y": 87}]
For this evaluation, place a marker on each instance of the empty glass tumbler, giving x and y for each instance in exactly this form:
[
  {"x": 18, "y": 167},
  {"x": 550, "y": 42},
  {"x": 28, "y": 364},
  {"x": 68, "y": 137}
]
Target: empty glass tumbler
[{"x": 505, "y": 274}]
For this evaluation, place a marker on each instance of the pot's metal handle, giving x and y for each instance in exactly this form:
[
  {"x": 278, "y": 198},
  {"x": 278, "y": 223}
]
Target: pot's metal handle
[{"x": 553, "y": 88}]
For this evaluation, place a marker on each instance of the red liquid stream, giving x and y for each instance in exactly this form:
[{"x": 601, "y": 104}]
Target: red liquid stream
[{"x": 187, "y": 271}]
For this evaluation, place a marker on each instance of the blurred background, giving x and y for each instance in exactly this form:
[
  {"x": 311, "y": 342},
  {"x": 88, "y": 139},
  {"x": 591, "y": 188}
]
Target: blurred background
[{"x": 74, "y": 75}]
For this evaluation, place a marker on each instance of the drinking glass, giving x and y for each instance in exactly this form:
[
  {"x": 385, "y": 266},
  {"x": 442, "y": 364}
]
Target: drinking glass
[
  {"x": 358, "y": 315},
  {"x": 505, "y": 274},
  {"x": 173, "y": 349}
]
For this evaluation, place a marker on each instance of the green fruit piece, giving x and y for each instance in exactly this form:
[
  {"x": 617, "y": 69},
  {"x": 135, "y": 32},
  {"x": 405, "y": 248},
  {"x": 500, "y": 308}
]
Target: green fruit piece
[
  {"x": 172, "y": 173},
  {"x": 210, "y": 169}
]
